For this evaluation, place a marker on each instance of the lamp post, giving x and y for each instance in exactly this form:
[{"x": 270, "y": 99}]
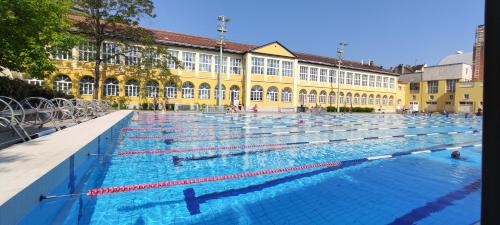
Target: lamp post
[
  {"x": 340, "y": 54},
  {"x": 221, "y": 28}
]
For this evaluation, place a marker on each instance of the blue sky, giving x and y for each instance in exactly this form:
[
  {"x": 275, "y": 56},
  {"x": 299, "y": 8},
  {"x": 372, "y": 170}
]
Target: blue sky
[{"x": 389, "y": 32}]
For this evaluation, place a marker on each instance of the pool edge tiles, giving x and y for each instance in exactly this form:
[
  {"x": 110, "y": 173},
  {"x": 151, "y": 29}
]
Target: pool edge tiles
[{"x": 37, "y": 167}]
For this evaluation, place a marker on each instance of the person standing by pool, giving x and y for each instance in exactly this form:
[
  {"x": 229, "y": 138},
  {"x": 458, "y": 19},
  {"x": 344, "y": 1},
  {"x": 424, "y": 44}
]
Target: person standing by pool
[{"x": 255, "y": 109}]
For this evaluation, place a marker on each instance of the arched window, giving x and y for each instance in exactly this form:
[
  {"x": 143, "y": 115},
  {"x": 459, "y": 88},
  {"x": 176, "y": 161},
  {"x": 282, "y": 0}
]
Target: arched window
[
  {"x": 234, "y": 93},
  {"x": 391, "y": 100},
  {"x": 86, "y": 85},
  {"x": 256, "y": 93},
  {"x": 217, "y": 92},
  {"x": 286, "y": 94},
  {"x": 302, "y": 96},
  {"x": 272, "y": 94},
  {"x": 170, "y": 90},
  {"x": 312, "y": 96},
  {"x": 370, "y": 100},
  {"x": 63, "y": 83},
  {"x": 377, "y": 100},
  {"x": 152, "y": 89},
  {"x": 132, "y": 88},
  {"x": 187, "y": 90},
  {"x": 384, "y": 100},
  {"x": 399, "y": 101},
  {"x": 204, "y": 91},
  {"x": 348, "y": 98},
  {"x": 111, "y": 87},
  {"x": 363, "y": 99},
  {"x": 341, "y": 98},
  {"x": 322, "y": 97},
  {"x": 331, "y": 98},
  {"x": 356, "y": 99}
]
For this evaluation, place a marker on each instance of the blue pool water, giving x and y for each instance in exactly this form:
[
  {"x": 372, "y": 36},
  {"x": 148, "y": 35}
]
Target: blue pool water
[{"x": 428, "y": 188}]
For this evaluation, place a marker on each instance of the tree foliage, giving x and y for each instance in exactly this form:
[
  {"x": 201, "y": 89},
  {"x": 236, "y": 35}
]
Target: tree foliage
[
  {"x": 28, "y": 28},
  {"x": 115, "y": 20}
]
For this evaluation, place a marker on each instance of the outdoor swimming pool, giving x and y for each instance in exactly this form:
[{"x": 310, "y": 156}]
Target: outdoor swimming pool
[{"x": 282, "y": 169}]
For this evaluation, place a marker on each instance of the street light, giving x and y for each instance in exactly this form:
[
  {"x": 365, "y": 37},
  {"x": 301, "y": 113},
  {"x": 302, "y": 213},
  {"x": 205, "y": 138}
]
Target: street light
[
  {"x": 340, "y": 55},
  {"x": 221, "y": 28}
]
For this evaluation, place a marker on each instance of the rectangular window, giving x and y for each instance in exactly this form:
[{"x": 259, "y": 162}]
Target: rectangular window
[
  {"x": 341, "y": 77},
  {"x": 152, "y": 57},
  {"x": 257, "y": 65},
  {"x": 378, "y": 82},
  {"x": 466, "y": 96},
  {"x": 273, "y": 67},
  {"x": 349, "y": 78},
  {"x": 303, "y": 72},
  {"x": 60, "y": 54},
  {"x": 170, "y": 62},
  {"x": 414, "y": 87},
  {"x": 450, "y": 86},
  {"x": 86, "y": 52},
  {"x": 132, "y": 56},
  {"x": 385, "y": 82},
  {"x": 332, "y": 76},
  {"x": 323, "y": 75},
  {"x": 357, "y": 78},
  {"x": 313, "y": 74},
  {"x": 287, "y": 68},
  {"x": 372, "y": 81},
  {"x": 364, "y": 80},
  {"x": 235, "y": 67},
  {"x": 110, "y": 53},
  {"x": 224, "y": 64},
  {"x": 205, "y": 63},
  {"x": 432, "y": 86},
  {"x": 189, "y": 62},
  {"x": 391, "y": 83}
]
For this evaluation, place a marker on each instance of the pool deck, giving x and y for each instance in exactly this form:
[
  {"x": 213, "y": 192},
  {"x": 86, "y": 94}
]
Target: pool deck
[{"x": 25, "y": 167}]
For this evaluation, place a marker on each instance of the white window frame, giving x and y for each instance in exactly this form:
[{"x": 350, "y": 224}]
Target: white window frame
[
  {"x": 332, "y": 76},
  {"x": 204, "y": 91},
  {"x": 257, "y": 65},
  {"x": 170, "y": 91},
  {"x": 451, "y": 85},
  {"x": 111, "y": 87},
  {"x": 216, "y": 92},
  {"x": 189, "y": 61},
  {"x": 348, "y": 79},
  {"x": 341, "y": 77},
  {"x": 205, "y": 61},
  {"x": 313, "y": 74},
  {"x": 86, "y": 87},
  {"x": 171, "y": 64},
  {"x": 272, "y": 94},
  {"x": 132, "y": 55},
  {"x": 322, "y": 97},
  {"x": 323, "y": 74},
  {"x": 385, "y": 82},
  {"x": 235, "y": 66},
  {"x": 187, "y": 91},
  {"x": 287, "y": 68},
  {"x": 303, "y": 72},
  {"x": 364, "y": 80},
  {"x": 87, "y": 51},
  {"x": 286, "y": 95},
  {"x": 273, "y": 67},
  {"x": 378, "y": 81},
  {"x": 357, "y": 79},
  {"x": 110, "y": 53},
  {"x": 132, "y": 89},
  {"x": 256, "y": 93},
  {"x": 63, "y": 84},
  {"x": 371, "y": 81},
  {"x": 312, "y": 96},
  {"x": 432, "y": 86},
  {"x": 152, "y": 89},
  {"x": 303, "y": 97}
]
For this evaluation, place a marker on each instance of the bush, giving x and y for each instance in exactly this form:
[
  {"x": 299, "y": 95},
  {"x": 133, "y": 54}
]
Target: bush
[
  {"x": 145, "y": 106},
  {"x": 20, "y": 89},
  {"x": 346, "y": 109}
]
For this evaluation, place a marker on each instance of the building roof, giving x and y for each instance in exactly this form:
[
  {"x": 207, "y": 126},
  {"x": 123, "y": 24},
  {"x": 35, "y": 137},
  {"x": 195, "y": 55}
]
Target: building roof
[
  {"x": 178, "y": 39},
  {"x": 459, "y": 57}
]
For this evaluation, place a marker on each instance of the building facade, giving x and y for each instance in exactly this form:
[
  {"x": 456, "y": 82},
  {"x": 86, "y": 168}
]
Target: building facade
[
  {"x": 269, "y": 76},
  {"x": 447, "y": 87}
]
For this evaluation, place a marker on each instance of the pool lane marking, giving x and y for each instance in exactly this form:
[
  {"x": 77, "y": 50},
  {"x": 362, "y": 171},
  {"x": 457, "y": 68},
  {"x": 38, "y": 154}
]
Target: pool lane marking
[
  {"x": 242, "y": 135},
  {"x": 282, "y": 126},
  {"x": 136, "y": 187},
  {"x": 167, "y": 151},
  {"x": 177, "y": 161}
]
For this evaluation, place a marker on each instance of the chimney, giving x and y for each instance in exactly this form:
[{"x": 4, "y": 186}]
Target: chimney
[
  {"x": 370, "y": 62},
  {"x": 362, "y": 62}
]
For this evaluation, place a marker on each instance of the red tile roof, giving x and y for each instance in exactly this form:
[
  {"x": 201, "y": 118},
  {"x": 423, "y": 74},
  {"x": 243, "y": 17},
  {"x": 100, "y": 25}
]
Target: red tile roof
[{"x": 172, "y": 38}]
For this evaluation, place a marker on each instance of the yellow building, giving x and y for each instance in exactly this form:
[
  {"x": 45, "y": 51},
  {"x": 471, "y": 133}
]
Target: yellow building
[
  {"x": 444, "y": 87},
  {"x": 269, "y": 76}
]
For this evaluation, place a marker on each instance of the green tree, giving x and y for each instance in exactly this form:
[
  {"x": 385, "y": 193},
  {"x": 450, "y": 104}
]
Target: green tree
[
  {"x": 30, "y": 30},
  {"x": 113, "y": 20}
]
